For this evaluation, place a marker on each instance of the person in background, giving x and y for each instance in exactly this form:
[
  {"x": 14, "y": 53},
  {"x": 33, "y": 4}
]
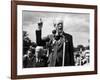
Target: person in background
[
  {"x": 40, "y": 57},
  {"x": 28, "y": 59}
]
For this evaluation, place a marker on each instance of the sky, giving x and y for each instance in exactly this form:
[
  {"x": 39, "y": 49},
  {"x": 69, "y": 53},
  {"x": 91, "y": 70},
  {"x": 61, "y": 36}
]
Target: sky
[{"x": 76, "y": 24}]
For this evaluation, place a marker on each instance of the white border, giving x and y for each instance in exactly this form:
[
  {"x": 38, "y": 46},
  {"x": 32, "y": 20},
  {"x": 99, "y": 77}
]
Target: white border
[{"x": 21, "y": 71}]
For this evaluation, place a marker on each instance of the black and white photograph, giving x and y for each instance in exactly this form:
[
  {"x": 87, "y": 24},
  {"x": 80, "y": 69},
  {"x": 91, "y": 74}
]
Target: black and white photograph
[{"x": 54, "y": 39}]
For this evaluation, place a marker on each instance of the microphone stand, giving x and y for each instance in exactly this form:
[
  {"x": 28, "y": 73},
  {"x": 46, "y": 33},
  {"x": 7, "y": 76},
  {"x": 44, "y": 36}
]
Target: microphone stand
[{"x": 63, "y": 61}]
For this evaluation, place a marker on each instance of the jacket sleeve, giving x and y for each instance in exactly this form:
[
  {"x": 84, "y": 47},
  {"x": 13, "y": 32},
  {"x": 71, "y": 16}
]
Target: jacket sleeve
[
  {"x": 71, "y": 50},
  {"x": 39, "y": 40}
]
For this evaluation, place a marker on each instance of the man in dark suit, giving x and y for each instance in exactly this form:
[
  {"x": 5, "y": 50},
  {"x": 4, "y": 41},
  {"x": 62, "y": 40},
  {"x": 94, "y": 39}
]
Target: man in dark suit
[
  {"x": 28, "y": 59},
  {"x": 60, "y": 45}
]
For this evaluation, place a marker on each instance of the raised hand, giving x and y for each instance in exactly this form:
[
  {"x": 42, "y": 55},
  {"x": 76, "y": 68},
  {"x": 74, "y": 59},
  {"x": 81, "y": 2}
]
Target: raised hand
[{"x": 40, "y": 24}]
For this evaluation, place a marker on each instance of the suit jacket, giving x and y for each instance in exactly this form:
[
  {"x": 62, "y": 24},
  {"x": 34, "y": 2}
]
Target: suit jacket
[{"x": 56, "y": 49}]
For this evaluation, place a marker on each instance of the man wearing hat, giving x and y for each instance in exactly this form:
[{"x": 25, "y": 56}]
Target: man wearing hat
[{"x": 60, "y": 45}]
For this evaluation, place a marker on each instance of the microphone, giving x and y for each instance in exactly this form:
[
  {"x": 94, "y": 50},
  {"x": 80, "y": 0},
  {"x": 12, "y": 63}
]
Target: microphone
[
  {"x": 57, "y": 37},
  {"x": 54, "y": 32}
]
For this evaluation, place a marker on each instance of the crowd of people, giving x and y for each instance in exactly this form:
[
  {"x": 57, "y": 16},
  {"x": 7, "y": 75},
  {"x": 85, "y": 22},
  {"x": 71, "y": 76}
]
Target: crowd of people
[{"x": 82, "y": 57}]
